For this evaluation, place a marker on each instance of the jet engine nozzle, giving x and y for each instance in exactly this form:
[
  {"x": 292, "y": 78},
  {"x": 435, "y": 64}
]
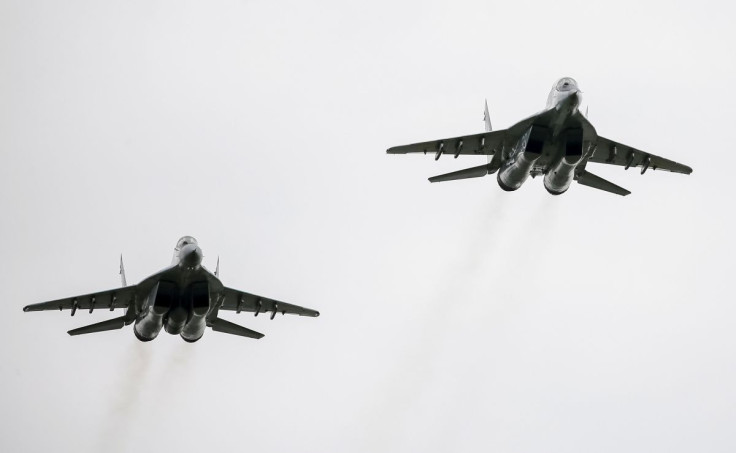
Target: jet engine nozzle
[
  {"x": 558, "y": 179},
  {"x": 160, "y": 300},
  {"x": 175, "y": 320},
  {"x": 198, "y": 299},
  {"x": 527, "y": 150},
  {"x": 194, "y": 329}
]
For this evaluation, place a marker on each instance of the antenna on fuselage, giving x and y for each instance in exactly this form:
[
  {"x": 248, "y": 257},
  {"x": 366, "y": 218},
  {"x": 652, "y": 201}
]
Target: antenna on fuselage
[
  {"x": 217, "y": 268},
  {"x": 122, "y": 271},
  {"x": 487, "y": 118},
  {"x": 586, "y": 112}
]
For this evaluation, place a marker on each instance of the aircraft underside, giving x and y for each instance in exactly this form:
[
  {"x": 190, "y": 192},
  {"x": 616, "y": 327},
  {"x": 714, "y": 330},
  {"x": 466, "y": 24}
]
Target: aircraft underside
[
  {"x": 177, "y": 312},
  {"x": 182, "y": 299},
  {"x": 540, "y": 152},
  {"x": 558, "y": 143}
]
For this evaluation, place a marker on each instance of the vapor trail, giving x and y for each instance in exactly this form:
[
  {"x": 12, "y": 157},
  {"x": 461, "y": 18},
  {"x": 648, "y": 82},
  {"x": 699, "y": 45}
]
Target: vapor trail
[
  {"x": 409, "y": 380},
  {"x": 499, "y": 222},
  {"x": 176, "y": 372},
  {"x": 127, "y": 390}
]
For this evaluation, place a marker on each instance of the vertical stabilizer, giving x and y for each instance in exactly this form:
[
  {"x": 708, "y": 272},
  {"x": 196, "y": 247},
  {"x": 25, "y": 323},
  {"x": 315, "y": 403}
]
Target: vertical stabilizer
[
  {"x": 489, "y": 127},
  {"x": 487, "y": 118},
  {"x": 122, "y": 272}
]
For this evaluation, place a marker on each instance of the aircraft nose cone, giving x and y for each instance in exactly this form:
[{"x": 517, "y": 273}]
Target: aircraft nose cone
[
  {"x": 574, "y": 98},
  {"x": 190, "y": 255}
]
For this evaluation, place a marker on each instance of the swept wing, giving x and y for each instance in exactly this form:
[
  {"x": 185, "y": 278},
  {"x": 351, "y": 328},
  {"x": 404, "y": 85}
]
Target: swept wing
[
  {"x": 110, "y": 299},
  {"x": 610, "y": 152},
  {"x": 238, "y": 301},
  {"x": 487, "y": 143}
]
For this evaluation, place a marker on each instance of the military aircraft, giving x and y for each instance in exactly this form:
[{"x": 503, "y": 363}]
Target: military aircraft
[
  {"x": 183, "y": 298},
  {"x": 557, "y": 142}
]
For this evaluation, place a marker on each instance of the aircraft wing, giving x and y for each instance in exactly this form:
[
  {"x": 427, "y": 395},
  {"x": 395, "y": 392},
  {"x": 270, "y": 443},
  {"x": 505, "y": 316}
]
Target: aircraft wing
[
  {"x": 241, "y": 301},
  {"x": 610, "y": 152},
  {"x": 486, "y": 143},
  {"x": 114, "y": 298}
]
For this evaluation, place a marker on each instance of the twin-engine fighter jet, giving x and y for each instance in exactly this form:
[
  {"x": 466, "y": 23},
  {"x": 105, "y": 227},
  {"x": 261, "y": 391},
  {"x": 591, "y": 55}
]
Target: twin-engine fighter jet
[
  {"x": 558, "y": 143},
  {"x": 183, "y": 299}
]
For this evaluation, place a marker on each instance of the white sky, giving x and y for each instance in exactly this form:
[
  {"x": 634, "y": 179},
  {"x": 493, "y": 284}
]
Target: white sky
[{"x": 455, "y": 316}]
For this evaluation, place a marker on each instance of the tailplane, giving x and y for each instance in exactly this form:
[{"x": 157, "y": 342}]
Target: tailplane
[
  {"x": 589, "y": 179},
  {"x": 220, "y": 325},
  {"x": 473, "y": 172},
  {"x": 110, "y": 324}
]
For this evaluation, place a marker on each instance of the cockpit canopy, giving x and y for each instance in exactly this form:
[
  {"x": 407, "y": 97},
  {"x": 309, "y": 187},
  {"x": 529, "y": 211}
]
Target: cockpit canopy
[
  {"x": 566, "y": 84},
  {"x": 186, "y": 240}
]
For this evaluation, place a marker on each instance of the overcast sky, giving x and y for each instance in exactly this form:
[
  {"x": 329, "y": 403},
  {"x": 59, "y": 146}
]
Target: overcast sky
[{"x": 455, "y": 317}]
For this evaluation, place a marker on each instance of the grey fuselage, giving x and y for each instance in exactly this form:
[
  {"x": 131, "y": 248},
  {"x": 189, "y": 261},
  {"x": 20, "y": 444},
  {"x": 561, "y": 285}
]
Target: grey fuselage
[
  {"x": 183, "y": 299},
  {"x": 552, "y": 143},
  {"x": 177, "y": 298}
]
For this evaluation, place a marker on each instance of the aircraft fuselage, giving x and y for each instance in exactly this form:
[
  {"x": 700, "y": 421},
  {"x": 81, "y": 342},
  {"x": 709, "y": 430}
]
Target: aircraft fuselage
[
  {"x": 558, "y": 142},
  {"x": 552, "y": 143},
  {"x": 183, "y": 299},
  {"x": 180, "y": 301}
]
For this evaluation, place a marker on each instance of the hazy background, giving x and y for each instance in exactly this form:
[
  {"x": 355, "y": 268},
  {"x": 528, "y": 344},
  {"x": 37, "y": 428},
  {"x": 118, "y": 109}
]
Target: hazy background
[{"x": 455, "y": 316}]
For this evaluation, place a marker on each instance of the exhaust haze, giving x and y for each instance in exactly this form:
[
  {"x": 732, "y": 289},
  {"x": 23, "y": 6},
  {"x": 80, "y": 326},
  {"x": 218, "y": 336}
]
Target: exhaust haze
[{"x": 454, "y": 316}]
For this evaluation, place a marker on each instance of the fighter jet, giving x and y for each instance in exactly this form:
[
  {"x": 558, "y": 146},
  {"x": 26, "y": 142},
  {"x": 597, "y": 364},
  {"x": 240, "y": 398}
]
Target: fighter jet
[
  {"x": 183, "y": 299},
  {"x": 557, "y": 142}
]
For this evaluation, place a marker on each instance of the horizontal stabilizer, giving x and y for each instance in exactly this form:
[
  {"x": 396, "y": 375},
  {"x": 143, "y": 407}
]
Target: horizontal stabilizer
[
  {"x": 474, "y": 172},
  {"x": 589, "y": 179},
  {"x": 110, "y": 324},
  {"x": 220, "y": 325}
]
